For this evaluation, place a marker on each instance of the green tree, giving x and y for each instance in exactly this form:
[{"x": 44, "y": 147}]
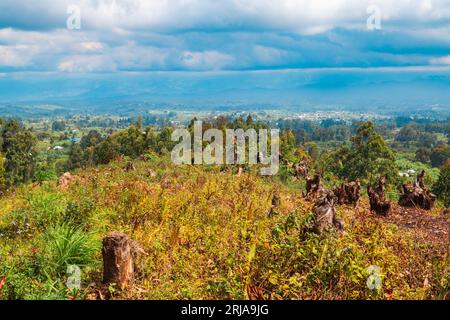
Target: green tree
[
  {"x": 439, "y": 155},
  {"x": 442, "y": 186},
  {"x": 408, "y": 133},
  {"x": 335, "y": 162},
  {"x": 423, "y": 155},
  {"x": 58, "y": 126},
  {"x": 287, "y": 145},
  {"x": 312, "y": 149},
  {"x": 91, "y": 139},
  {"x": 20, "y": 155},
  {"x": 165, "y": 143},
  {"x": 106, "y": 151},
  {"x": 3, "y": 184},
  {"x": 369, "y": 157},
  {"x": 132, "y": 142},
  {"x": 76, "y": 158},
  {"x": 427, "y": 139},
  {"x": 249, "y": 122}
]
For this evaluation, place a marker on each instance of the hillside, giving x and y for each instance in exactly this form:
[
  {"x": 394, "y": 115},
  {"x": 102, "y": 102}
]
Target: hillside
[{"x": 207, "y": 234}]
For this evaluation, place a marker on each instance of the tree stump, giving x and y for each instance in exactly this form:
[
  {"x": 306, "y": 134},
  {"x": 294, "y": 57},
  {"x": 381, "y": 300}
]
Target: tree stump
[
  {"x": 378, "y": 202},
  {"x": 65, "y": 180},
  {"x": 417, "y": 195},
  {"x": 325, "y": 215},
  {"x": 275, "y": 204},
  {"x": 301, "y": 169},
  {"x": 118, "y": 264},
  {"x": 348, "y": 193},
  {"x": 314, "y": 188},
  {"x": 130, "y": 166}
]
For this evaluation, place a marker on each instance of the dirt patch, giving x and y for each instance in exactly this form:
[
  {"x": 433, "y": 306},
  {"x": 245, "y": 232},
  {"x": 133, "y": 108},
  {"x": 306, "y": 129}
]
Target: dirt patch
[{"x": 431, "y": 227}]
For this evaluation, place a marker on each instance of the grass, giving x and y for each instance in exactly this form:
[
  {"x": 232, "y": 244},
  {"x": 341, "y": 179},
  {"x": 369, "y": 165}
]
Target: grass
[
  {"x": 66, "y": 245},
  {"x": 207, "y": 234}
]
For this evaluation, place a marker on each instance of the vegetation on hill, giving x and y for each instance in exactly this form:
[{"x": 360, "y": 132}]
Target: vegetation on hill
[{"x": 207, "y": 232}]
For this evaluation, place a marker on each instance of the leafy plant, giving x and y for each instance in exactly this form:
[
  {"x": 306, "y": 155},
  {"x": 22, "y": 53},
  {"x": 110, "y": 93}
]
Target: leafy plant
[
  {"x": 66, "y": 245},
  {"x": 79, "y": 212}
]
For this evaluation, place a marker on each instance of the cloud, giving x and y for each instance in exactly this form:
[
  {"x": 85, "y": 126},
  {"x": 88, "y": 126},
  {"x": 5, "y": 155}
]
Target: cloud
[
  {"x": 16, "y": 56},
  {"x": 92, "y": 46},
  {"x": 268, "y": 55},
  {"x": 441, "y": 61},
  {"x": 86, "y": 64},
  {"x": 302, "y": 16},
  {"x": 202, "y": 35},
  {"x": 207, "y": 60}
]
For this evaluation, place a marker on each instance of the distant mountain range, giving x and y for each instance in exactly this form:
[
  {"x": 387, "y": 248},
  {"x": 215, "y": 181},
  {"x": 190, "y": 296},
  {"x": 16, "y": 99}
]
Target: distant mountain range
[{"x": 391, "y": 92}]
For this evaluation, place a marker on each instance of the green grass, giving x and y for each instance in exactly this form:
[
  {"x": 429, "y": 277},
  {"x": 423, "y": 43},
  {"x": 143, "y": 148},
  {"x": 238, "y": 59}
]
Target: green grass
[{"x": 206, "y": 235}]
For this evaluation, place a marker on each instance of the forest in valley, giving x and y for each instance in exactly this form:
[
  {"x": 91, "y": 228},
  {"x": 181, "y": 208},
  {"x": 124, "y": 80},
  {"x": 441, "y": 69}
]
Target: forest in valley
[{"x": 358, "y": 210}]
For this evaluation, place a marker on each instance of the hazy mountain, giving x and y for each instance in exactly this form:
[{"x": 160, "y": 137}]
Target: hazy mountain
[{"x": 383, "y": 91}]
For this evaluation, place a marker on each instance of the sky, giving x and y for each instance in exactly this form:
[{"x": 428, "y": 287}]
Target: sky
[{"x": 117, "y": 38}]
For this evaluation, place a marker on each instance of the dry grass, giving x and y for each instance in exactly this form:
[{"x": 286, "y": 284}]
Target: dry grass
[{"x": 208, "y": 234}]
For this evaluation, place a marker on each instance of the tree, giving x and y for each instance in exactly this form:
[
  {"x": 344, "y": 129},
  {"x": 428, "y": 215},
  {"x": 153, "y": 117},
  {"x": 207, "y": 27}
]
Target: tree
[
  {"x": 91, "y": 139},
  {"x": 287, "y": 145},
  {"x": 249, "y": 122},
  {"x": 369, "y": 157},
  {"x": 3, "y": 185},
  {"x": 19, "y": 148},
  {"x": 312, "y": 149},
  {"x": 408, "y": 133},
  {"x": 106, "y": 151},
  {"x": 423, "y": 155},
  {"x": 165, "y": 143},
  {"x": 427, "y": 139},
  {"x": 442, "y": 186},
  {"x": 132, "y": 142},
  {"x": 335, "y": 161},
  {"x": 58, "y": 126},
  {"x": 439, "y": 155},
  {"x": 76, "y": 158},
  {"x": 238, "y": 123}
]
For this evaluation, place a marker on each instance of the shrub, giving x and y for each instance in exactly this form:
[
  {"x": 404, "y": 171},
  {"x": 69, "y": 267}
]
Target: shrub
[
  {"x": 45, "y": 209},
  {"x": 78, "y": 213},
  {"x": 45, "y": 175}
]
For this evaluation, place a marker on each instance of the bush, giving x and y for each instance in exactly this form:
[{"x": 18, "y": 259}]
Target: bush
[
  {"x": 78, "y": 213},
  {"x": 45, "y": 209},
  {"x": 45, "y": 175}
]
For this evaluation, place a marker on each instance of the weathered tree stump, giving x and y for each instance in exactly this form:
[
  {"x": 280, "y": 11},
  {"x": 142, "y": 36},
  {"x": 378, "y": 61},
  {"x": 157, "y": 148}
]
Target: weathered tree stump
[
  {"x": 275, "y": 204},
  {"x": 325, "y": 215},
  {"x": 65, "y": 180},
  {"x": 130, "y": 166},
  {"x": 417, "y": 195},
  {"x": 348, "y": 193},
  {"x": 314, "y": 188},
  {"x": 118, "y": 266},
  {"x": 301, "y": 169},
  {"x": 276, "y": 200},
  {"x": 378, "y": 202}
]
